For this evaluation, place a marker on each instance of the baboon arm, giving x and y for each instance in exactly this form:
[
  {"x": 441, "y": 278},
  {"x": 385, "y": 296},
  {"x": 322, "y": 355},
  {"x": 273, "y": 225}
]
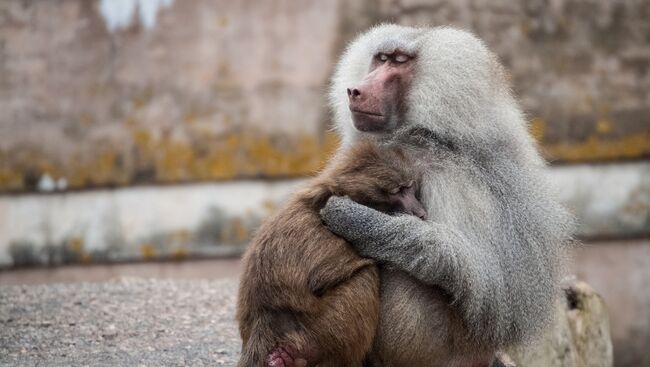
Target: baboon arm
[
  {"x": 333, "y": 273},
  {"x": 430, "y": 252},
  {"x": 501, "y": 289},
  {"x": 427, "y": 251}
]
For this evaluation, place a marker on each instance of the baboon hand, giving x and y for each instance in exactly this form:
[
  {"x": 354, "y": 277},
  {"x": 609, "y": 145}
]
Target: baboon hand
[{"x": 358, "y": 224}]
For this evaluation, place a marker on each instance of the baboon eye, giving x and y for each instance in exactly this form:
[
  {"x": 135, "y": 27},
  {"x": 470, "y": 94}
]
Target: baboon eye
[
  {"x": 382, "y": 57},
  {"x": 401, "y": 58},
  {"x": 401, "y": 187}
]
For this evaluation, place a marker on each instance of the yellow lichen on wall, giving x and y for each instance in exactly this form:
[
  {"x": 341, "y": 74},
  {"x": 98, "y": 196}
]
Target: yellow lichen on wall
[
  {"x": 150, "y": 157},
  {"x": 596, "y": 147},
  {"x": 147, "y": 250},
  {"x": 603, "y": 126},
  {"x": 77, "y": 251},
  {"x": 100, "y": 170},
  {"x": 600, "y": 149},
  {"x": 175, "y": 162},
  {"x": 179, "y": 254},
  {"x": 233, "y": 155},
  {"x": 10, "y": 179}
]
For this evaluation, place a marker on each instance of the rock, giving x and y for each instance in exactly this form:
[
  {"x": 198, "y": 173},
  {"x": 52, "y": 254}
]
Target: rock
[{"x": 579, "y": 336}]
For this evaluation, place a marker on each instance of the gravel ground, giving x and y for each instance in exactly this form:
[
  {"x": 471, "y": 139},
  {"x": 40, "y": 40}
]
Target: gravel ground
[{"x": 126, "y": 322}]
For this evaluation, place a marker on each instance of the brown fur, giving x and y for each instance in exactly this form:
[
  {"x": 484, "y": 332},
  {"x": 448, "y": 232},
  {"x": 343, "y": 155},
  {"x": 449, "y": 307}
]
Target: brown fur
[
  {"x": 418, "y": 328},
  {"x": 305, "y": 288}
]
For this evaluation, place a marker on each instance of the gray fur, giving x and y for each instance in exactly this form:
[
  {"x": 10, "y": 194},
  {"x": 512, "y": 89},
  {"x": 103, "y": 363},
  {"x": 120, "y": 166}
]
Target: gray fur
[{"x": 496, "y": 236}]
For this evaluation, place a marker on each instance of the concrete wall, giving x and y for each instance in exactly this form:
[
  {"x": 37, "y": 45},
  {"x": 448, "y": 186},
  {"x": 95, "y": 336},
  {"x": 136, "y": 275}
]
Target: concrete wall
[
  {"x": 208, "y": 219},
  {"x": 92, "y": 97},
  {"x": 112, "y": 93},
  {"x": 171, "y": 222}
]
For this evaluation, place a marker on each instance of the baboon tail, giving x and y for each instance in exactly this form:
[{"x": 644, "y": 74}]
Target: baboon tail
[
  {"x": 270, "y": 330},
  {"x": 260, "y": 342}
]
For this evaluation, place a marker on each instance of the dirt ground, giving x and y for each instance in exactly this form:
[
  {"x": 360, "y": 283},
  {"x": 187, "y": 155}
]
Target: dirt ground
[
  {"x": 192, "y": 269},
  {"x": 122, "y": 322}
]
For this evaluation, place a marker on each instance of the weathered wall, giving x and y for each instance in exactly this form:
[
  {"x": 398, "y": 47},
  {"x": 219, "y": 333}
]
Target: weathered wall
[
  {"x": 220, "y": 218},
  {"x": 97, "y": 93},
  {"x": 171, "y": 222},
  {"x": 106, "y": 93},
  {"x": 207, "y": 91}
]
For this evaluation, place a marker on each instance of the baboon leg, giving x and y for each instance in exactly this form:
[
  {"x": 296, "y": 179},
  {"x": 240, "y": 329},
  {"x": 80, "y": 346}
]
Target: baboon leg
[{"x": 345, "y": 329}]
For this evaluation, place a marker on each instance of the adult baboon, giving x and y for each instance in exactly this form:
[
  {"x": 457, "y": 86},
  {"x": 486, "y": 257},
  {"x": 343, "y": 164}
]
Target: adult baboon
[{"x": 482, "y": 272}]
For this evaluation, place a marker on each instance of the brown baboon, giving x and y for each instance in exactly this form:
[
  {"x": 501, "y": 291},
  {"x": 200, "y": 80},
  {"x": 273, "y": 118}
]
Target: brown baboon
[{"x": 305, "y": 297}]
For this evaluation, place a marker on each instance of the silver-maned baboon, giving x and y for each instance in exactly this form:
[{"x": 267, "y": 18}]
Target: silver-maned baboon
[{"x": 482, "y": 272}]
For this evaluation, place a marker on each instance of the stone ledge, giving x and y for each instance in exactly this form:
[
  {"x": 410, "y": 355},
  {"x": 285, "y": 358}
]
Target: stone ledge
[{"x": 136, "y": 322}]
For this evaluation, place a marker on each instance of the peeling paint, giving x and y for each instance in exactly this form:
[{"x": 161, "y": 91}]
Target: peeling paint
[{"x": 121, "y": 13}]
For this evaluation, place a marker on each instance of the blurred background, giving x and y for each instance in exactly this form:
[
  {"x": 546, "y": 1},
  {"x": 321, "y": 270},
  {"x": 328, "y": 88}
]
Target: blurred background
[{"x": 151, "y": 137}]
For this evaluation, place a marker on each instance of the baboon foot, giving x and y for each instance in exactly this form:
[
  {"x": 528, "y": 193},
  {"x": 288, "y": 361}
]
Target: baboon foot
[{"x": 284, "y": 357}]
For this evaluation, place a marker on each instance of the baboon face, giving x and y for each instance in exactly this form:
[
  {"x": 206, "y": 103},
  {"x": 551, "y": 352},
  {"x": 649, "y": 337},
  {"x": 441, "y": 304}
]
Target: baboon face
[
  {"x": 394, "y": 77},
  {"x": 382, "y": 182},
  {"x": 404, "y": 199},
  {"x": 378, "y": 103}
]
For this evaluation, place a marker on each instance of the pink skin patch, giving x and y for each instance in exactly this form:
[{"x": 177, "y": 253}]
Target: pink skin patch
[
  {"x": 377, "y": 101},
  {"x": 284, "y": 357}
]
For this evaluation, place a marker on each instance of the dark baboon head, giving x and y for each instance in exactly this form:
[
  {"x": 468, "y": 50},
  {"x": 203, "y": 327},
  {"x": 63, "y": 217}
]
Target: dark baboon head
[{"x": 383, "y": 178}]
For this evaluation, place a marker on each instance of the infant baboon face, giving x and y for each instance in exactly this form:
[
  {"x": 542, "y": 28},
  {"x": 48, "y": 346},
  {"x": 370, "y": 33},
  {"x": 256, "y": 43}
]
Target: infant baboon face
[
  {"x": 405, "y": 200},
  {"x": 383, "y": 181},
  {"x": 398, "y": 196}
]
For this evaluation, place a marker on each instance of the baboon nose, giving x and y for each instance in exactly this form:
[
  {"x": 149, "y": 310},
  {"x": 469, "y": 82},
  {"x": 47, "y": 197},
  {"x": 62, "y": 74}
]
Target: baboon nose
[{"x": 354, "y": 92}]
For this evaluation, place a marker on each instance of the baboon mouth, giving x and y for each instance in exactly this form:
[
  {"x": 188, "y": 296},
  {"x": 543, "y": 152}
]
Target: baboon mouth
[
  {"x": 368, "y": 121},
  {"x": 367, "y": 113}
]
